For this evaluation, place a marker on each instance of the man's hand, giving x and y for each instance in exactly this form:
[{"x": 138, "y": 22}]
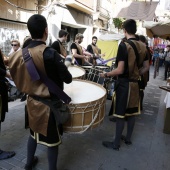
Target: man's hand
[
  {"x": 8, "y": 75},
  {"x": 102, "y": 55},
  {"x": 102, "y": 74}
]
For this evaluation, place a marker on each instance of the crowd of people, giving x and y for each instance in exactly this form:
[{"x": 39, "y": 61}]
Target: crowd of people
[{"x": 132, "y": 74}]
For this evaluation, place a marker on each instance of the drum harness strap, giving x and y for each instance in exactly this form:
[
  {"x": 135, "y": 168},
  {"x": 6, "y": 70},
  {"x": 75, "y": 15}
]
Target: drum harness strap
[{"x": 37, "y": 75}]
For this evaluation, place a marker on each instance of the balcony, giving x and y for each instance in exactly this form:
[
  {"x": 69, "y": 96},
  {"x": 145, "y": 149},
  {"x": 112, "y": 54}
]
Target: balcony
[
  {"x": 104, "y": 8},
  {"x": 86, "y": 6}
]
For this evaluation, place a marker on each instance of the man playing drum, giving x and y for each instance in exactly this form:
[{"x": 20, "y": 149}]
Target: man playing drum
[
  {"x": 93, "y": 49},
  {"x": 43, "y": 128},
  {"x": 77, "y": 51},
  {"x": 58, "y": 45},
  {"x": 130, "y": 65}
]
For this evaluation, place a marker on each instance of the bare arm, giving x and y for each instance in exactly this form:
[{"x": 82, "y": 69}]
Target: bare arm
[
  {"x": 119, "y": 70},
  {"x": 145, "y": 67},
  {"x": 74, "y": 51}
]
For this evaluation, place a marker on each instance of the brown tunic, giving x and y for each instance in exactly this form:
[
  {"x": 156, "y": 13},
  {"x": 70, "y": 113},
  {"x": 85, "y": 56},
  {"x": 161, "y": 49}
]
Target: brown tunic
[
  {"x": 134, "y": 71},
  {"x": 63, "y": 50},
  {"x": 127, "y": 92},
  {"x": 38, "y": 112}
]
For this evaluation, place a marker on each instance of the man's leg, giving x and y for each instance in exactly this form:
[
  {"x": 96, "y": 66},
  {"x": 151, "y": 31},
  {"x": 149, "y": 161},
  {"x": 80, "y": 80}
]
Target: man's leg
[
  {"x": 141, "y": 98},
  {"x": 31, "y": 148},
  {"x": 52, "y": 157},
  {"x": 130, "y": 127},
  {"x": 120, "y": 122},
  {"x": 119, "y": 129},
  {"x": 166, "y": 70}
]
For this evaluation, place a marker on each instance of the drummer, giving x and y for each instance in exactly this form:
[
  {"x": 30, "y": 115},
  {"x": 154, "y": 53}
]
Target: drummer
[
  {"x": 58, "y": 45},
  {"x": 79, "y": 57},
  {"x": 127, "y": 90},
  {"x": 93, "y": 49}
]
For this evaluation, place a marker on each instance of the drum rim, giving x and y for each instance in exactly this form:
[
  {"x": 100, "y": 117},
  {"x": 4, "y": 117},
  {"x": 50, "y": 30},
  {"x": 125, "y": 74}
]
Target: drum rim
[
  {"x": 87, "y": 81},
  {"x": 102, "y": 66},
  {"x": 86, "y": 67}
]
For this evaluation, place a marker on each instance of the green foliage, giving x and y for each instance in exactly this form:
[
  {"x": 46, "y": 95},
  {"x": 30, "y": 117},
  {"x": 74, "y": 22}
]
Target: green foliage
[{"x": 118, "y": 23}]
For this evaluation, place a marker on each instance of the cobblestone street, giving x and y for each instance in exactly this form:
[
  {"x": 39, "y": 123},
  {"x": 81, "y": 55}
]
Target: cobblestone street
[{"x": 150, "y": 149}]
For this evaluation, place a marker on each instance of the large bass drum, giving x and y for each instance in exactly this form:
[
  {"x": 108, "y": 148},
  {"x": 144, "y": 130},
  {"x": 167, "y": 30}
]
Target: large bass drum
[{"x": 87, "y": 106}]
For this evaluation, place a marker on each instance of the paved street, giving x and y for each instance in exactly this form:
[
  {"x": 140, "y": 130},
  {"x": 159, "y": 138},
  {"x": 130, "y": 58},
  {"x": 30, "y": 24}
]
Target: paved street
[{"x": 150, "y": 149}]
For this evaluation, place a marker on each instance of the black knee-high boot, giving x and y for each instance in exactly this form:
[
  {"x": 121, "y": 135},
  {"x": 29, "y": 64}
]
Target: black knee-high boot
[
  {"x": 52, "y": 157},
  {"x": 130, "y": 127},
  {"x": 120, "y": 122},
  {"x": 31, "y": 148}
]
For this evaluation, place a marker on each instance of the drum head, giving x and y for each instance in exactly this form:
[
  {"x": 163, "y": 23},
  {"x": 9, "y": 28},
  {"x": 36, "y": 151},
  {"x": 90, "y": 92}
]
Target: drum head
[
  {"x": 82, "y": 91},
  {"x": 76, "y": 72}
]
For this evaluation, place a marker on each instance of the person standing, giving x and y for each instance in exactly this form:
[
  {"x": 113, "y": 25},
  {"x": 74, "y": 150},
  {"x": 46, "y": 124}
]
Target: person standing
[
  {"x": 43, "y": 128},
  {"x": 128, "y": 71},
  {"x": 145, "y": 77},
  {"x": 93, "y": 49},
  {"x": 58, "y": 45},
  {"x": 4, "y": 101},
  {"x": 15, "y": 46},
  {"x": 77, "y": 51},
  {"x": 167, "y": 62}
]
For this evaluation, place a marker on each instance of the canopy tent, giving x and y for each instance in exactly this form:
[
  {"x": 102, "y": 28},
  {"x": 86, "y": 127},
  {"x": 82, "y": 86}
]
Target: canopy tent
[
  {"x": 160, "y": 29},
  {"x": 136, "y": 10},
  {"x": 108, "y": 43}
]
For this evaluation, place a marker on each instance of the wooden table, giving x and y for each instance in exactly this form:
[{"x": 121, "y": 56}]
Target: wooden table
[
  {"x": 166, "y": 88},
  {"x": 166, "y": 128}
]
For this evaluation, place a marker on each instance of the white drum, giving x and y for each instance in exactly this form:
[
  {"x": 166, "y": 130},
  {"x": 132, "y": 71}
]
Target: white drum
[
  {"x": 77, "y": 72},
  {"x": 87, "y": 105}
]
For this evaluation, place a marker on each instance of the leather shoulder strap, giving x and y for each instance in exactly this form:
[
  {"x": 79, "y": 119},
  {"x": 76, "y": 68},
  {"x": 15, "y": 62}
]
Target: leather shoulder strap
[{"x": 135, "y": 50}]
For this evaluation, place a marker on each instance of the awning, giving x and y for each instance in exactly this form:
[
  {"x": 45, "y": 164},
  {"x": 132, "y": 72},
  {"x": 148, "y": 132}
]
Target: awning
[
  {"x": 135, "y": 10},
  {"x": 160, "y": 29},
  {"x": 111, "y": 37}
]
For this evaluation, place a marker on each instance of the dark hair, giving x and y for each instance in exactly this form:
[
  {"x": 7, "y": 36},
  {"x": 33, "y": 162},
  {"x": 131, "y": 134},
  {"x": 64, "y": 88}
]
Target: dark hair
[
  {"x": 94, "y": 37},
  {"x": 142, "y": 38},
  {"x": 130, "y": 26},
  {"x": 27, "y": 41},
  {"x": 168, "y": 46},
  {"x": 137, "y": 36},
  {"x": 36, "y": 25},
  {"x": 124, "y": 39},
  {"x": 62, "y": 33}
]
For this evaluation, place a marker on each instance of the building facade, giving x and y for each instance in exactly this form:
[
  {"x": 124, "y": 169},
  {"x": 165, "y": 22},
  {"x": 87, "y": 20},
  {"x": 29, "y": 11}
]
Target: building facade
[{"x": 89, "y": 17}]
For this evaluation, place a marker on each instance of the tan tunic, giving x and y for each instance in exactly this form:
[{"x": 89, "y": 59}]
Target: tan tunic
[
  {"x": 38, "y": 113},
  {"x": 134, "y": 71},
  {"x": 127, "y": 92},
  {"x": 80, "y": 51},
  {"x": 63, "y": 50},
  {"x": 96, "y": 51}
]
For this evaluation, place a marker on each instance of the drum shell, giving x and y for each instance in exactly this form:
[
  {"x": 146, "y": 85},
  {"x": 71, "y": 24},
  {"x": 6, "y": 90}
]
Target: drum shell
[
  {"x": 87, "y": 70},
  {"x": 84, "y": 113}
]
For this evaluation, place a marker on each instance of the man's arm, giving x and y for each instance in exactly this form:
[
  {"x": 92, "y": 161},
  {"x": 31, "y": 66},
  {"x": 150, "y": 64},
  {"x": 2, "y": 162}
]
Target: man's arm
[
  {"x": 64, "y": 74},
  {"x": 145, "y": 67},
  {"x": 119, "y": 70},
  {"x": 74, "y": 52}
]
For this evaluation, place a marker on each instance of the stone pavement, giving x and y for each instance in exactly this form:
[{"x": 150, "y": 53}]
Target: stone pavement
[{"x": 150, "y": 149}]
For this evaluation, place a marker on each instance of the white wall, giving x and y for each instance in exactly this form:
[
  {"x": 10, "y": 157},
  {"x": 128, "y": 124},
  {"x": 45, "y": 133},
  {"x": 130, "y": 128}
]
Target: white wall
[{"x": 70, "y": 18}]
